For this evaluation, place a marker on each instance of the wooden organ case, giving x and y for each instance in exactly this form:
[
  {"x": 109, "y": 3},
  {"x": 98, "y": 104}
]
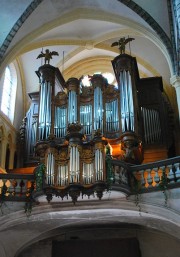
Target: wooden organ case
[{"x": 76, "y": 125}]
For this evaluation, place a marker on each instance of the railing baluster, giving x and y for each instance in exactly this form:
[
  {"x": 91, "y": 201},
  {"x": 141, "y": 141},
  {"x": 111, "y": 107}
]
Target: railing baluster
[{"x": 153, "y": 175}]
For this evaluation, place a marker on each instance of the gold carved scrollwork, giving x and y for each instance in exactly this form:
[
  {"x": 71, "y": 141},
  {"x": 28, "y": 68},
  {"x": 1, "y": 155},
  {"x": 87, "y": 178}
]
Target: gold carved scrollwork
[
  {"x": 74, "y": 127},
  {"x": 47, "y": 74},
  {"x": 99, "y": 146},
  {"x": 87, "y": 156},
  {"x": 62, "y": 158},
  {"x": 111, "y": 91},
  {"x": 72, "y": 87},
  {"x": 86, "y": 91},
  {"x": 51, "y": 150},
  {"x": 98, "y": 133},
  {"x": 125, "y": 64},
  {"x": 61, "y": 98}
]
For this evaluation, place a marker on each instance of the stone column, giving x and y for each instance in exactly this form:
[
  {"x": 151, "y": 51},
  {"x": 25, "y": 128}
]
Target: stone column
[
  {"x": 175, "y": 82},
  {"x": 3, "y": 151},
  {"x": 11, "y": 159}
]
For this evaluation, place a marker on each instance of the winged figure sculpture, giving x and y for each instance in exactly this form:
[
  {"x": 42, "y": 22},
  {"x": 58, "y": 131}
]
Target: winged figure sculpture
[
  {"x": 47, "y": 55},
  {"x": 122, "y": 44}
]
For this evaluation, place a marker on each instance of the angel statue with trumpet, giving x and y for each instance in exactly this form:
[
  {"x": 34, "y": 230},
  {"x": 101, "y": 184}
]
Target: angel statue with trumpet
[
  {"x": 47, "y": 55},
  {"x": 122, "y": 44}
]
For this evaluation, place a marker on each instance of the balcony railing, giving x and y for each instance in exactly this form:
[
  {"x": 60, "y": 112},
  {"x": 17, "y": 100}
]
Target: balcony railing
[
  {"x": 122, "y": 176},
  {"x": 149, "y": 177},
  {"x": 16, "y": 187}
]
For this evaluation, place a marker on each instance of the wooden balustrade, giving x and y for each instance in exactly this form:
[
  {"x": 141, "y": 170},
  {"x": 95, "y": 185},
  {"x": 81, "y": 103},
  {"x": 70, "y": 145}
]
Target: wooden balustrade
[
  {"x": 16, "y": 187},
  {"x": 149, "y": 176}
]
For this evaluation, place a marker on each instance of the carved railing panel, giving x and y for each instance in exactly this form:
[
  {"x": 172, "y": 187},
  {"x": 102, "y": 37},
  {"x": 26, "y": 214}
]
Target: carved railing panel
[
  {"x": 121, "y": 176},
  {"x": 149, "y": 176},
  {"x": 15, "y": 187}
]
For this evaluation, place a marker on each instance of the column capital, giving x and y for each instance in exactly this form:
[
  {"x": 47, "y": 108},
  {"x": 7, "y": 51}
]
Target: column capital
[{"x": 175, "y": 81}]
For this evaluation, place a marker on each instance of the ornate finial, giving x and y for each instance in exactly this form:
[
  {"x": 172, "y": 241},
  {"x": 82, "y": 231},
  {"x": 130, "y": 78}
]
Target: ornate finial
[
  {"x": 98, "y": 133},
  {"x": 47, "y": 55},
  {"x": 122, "y": 44},
  {"x": 74, "y": 127}
]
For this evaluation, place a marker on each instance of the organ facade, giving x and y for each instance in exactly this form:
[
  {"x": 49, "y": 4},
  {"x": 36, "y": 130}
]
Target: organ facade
[{"x": 73, "y": 128}]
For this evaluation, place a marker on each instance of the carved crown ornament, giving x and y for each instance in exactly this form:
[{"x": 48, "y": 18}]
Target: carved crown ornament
[
  {"x": 87, "y": 155},
  {"x": 74, "y": 127}
]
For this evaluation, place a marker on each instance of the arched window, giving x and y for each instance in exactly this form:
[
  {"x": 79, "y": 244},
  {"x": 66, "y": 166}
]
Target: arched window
[{"x": 9, "y": 92}]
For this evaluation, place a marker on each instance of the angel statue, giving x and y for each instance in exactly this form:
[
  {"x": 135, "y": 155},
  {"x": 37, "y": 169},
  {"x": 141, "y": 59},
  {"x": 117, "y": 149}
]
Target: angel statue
[
  {"x": 122, "y": 44},
  {"x": 47, "y": 55}
]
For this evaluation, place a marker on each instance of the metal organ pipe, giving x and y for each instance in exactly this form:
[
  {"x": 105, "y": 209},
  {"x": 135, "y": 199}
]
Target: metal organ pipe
[
  {"x": 77, "y": 170},
  {"x": 62, "y": 175},
  {"x": 112, "y": 122},
  {"x": 99, "y": 164},
  {"x": 87, "y": 173},
  {"x": 60, "y": 122},
  {"x": 98, "y": 109},
  {"x": 122, "y": 102},
  {"x": 70, "y": 163},
  {"x": 74, "y": 164},
  {"x": 45, "y": 111},
  {"x": 50, "y": 169},
  {"x": 152, "y": 126},
  {"x": 126, "y": 85},
  {"x": 126, "y": 99},
  {"x": 33, "y": 137},
  {"x": 86, "y": 118},
  {"x": 131, "y": 104},
  {"x": 72, "y": 107}
]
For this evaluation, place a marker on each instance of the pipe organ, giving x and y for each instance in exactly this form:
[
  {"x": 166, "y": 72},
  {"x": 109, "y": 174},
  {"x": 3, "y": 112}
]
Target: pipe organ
[{"x": 76, "y": 123}]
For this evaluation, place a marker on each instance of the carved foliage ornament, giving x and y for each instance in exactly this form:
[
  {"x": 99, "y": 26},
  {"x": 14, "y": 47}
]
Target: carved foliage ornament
[
  {"x": 87, "y": 155},
  {"x": 62, "y": 158}
]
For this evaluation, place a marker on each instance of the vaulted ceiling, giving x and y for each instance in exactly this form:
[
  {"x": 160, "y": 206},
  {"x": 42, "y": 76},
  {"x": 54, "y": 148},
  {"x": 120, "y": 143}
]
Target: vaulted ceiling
[{"x": 82, "y": 33}]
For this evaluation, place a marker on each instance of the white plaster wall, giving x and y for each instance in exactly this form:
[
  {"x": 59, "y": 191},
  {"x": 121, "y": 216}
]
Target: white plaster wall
[{"x": 19, "y": 109}]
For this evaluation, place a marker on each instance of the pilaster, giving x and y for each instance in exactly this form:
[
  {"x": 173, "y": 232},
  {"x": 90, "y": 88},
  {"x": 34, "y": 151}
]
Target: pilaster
[{"x": 175, "y": 82}]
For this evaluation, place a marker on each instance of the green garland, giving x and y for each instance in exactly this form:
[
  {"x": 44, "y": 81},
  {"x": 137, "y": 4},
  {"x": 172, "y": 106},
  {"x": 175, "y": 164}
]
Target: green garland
[
  {"x": 109, "y": 170},
  {"x": 39, "y": 177},
  {"x": 163, "y": 185}
]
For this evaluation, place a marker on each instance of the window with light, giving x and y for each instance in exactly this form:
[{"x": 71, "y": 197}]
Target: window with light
[{"x": 9, "y": 92}]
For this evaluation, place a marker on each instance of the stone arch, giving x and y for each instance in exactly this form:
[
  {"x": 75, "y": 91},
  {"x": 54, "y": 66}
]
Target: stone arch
[
  {"x": 2, "y": 135},
  {"x": 55, "y": 220}
]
